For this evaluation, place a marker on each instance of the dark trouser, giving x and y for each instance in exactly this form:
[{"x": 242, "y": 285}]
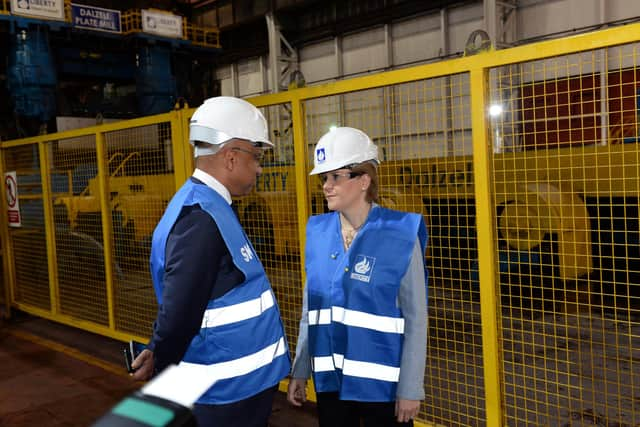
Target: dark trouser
[
  {"x": 253, "y": 411},
  {"x": 333, "y": 412}
]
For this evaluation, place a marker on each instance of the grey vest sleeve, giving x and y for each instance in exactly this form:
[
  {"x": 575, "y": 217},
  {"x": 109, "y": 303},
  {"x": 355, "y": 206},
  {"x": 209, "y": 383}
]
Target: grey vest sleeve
[
  {"x": 412, "y": 299},
  {"x": 302, "y": 363}
]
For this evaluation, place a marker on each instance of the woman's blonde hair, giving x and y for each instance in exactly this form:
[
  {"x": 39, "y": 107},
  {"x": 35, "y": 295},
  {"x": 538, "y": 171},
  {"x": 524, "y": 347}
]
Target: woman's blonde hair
[{"x": 370, "y": 169}]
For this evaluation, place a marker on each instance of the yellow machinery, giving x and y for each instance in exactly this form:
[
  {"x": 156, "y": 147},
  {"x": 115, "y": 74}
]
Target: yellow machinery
[
  {"x": 137, "y": 202},
  {"x": 523, "y": 211}
]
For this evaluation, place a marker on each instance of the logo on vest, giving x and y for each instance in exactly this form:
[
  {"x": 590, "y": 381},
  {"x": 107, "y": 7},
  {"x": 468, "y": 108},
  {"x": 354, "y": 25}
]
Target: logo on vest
[
  {"x": 362, "y": 268},
  {"x": 247, "y": 253}
]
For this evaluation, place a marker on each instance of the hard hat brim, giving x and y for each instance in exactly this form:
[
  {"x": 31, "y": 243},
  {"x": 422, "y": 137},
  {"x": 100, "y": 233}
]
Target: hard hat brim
[
  {"x": 328, "y": 168},
  {"x": 216, "y": 137}
]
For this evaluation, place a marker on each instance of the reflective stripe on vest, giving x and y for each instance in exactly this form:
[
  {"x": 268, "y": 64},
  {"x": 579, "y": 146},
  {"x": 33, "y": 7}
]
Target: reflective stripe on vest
[
  {"x": 243, "y": 365},
  {"x": 361, "y": 319},
  {"x": 354, "y": 368},
  {"x": 237, "y": 312}
]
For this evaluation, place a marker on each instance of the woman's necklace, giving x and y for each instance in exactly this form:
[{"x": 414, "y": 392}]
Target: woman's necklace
[
  {"x": 348, "y": 234},
  {"x": 348, "y": 231}
]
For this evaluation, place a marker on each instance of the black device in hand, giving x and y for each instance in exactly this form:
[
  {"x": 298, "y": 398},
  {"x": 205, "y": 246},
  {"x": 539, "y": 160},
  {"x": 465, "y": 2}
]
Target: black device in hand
[{"x": 131, "y": 352}]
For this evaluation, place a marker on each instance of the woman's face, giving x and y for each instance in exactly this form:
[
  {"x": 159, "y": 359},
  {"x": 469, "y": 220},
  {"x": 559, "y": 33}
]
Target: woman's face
[{"x": 343, "y": 188}]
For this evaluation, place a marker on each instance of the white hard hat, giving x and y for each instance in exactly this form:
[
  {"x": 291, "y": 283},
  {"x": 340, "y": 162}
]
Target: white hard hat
[
  {"x": 341, "y": 147},
  {"x": 223, "y": 118}
]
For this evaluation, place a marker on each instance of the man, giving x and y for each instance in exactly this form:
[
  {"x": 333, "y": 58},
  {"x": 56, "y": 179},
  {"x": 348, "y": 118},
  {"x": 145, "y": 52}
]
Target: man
[{"x": 217, "y": 311}]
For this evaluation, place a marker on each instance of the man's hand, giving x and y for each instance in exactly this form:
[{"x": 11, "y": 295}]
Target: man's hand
[
  {"x": 297, "y": 391},
  {"x": 406, "y": 409},
  {"x": 143, "y": 365}
]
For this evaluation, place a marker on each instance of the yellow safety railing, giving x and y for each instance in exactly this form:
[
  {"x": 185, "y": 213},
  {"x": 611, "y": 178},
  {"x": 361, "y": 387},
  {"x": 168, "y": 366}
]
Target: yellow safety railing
[
  {"x": 208, "y": 37},
  {"x": 201, "y": 36},
  {"x": 533, "y": 214}
]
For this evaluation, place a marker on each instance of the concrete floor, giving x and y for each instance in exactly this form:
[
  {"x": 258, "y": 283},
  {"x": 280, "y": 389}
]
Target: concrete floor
[{"x": 58, "y": 376}]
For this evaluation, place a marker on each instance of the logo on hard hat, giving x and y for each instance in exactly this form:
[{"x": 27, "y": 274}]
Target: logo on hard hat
[{"x": 320, "y": 155}]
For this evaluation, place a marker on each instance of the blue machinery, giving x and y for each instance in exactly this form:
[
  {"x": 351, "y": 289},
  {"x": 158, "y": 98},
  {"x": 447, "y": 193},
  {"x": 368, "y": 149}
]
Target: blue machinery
[
  {"x": 31, "y": 75},
  {"x": 47, "y": 58},
  {"x": 156, "y": 86}
]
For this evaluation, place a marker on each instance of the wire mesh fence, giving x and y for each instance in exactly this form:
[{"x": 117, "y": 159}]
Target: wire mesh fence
[{"x": 567, "y": 236}]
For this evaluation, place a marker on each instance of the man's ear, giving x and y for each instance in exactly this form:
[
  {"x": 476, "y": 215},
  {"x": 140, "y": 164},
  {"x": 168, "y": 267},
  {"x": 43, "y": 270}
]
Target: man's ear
[{"x": 230, "y": 159}]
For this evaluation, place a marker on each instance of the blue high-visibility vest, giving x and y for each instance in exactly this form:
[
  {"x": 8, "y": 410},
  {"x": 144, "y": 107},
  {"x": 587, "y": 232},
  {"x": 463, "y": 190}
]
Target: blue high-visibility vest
[
  {"x": 356, "y": 327},
  {"x": 241, "y": 343}
]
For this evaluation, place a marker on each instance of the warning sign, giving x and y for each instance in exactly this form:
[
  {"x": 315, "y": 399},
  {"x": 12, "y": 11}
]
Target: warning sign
[{"x": 13, "y": 206}]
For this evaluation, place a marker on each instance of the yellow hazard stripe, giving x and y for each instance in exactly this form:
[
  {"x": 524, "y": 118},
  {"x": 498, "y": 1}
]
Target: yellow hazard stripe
[{"x": 76, "y": 354}]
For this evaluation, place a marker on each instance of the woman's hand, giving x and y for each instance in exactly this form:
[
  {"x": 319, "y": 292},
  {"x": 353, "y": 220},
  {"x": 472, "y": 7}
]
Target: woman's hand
[
  {"x": 406, "y": 410},
  {"x": 143, "y": 365},
  {"x": 297, "y": 391}
]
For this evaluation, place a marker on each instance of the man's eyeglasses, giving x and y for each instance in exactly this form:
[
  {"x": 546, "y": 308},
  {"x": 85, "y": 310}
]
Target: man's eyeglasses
[
  {"x": 257, "y": 155},
  {"x": 335, "y": 176}
]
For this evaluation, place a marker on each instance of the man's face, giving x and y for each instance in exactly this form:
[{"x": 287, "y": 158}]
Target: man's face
[{"x": 246, "y": 159}]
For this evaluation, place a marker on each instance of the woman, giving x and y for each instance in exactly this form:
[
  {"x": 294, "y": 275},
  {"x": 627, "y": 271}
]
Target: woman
[{"x": 363, "y": 326}]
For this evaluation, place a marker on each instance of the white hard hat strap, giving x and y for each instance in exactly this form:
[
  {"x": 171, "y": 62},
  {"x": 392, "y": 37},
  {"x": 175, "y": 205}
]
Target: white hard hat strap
[
  {"x": 206, "y": 149},
  {"x": 208, "y": 135}
]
